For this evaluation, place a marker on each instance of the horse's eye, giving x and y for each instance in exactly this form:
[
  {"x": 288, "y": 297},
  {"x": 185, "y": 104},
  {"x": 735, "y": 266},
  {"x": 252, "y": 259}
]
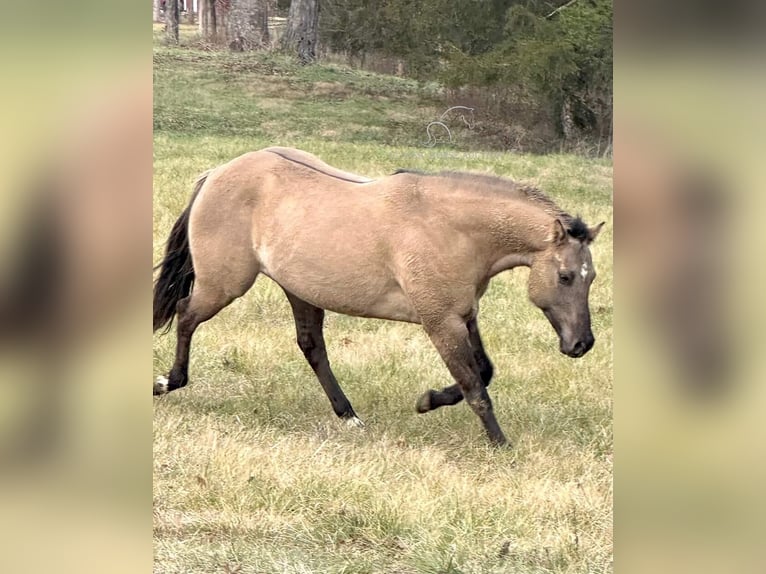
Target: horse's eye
[{"x": 566, "y": 278}]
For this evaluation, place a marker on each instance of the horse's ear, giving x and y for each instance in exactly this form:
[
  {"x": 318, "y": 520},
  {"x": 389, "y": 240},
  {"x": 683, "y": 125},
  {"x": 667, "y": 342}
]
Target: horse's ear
[
  {"x": 594, "y": 231},
  {"x": 558, "y": 234}
]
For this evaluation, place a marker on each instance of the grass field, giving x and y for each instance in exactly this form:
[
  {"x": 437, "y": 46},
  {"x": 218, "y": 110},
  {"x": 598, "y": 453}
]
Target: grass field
[{"x": 253, "y": 473}]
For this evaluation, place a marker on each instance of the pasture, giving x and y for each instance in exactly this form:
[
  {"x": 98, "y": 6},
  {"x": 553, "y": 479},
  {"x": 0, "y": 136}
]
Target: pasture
[{"x": 253, "y": 473}]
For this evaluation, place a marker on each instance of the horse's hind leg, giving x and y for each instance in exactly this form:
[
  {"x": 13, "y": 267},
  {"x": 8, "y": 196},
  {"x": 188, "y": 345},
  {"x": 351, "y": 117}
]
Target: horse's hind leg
[
  {"x": 309, "y": 321},
  {"x": 204, "y": 302},
  {"x": 452, "y": 395}
]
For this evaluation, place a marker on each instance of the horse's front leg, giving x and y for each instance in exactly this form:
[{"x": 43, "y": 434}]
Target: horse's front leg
[
  {"x": 452, "y": 395},
  {"x": 451, "y": 337}
]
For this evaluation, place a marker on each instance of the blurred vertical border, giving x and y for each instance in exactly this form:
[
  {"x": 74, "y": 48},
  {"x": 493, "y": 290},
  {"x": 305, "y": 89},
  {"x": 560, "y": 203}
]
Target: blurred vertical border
[
  {"x": 75, "y": 259},
  {"x": 689, "y": 345}
]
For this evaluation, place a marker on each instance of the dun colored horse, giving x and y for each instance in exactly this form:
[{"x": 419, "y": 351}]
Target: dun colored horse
[{"x": 409, "y": 247}]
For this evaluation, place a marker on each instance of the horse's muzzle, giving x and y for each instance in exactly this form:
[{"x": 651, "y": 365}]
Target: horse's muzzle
[{"x": 579, "y": 348}]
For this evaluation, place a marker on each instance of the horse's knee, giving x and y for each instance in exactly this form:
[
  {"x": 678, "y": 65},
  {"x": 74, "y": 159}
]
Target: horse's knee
[{"x": 479, "y": 401}]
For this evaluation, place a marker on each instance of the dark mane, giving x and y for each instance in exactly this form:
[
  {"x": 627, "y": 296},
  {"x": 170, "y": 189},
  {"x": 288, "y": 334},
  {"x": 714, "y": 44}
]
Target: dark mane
[
  {"x": 415, "y": 171},
  {"x": 493, "y": 183}
]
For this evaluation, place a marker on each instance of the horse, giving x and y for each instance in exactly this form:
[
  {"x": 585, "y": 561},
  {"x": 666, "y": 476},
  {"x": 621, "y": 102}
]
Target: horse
[{"x": 412, "y": 246}]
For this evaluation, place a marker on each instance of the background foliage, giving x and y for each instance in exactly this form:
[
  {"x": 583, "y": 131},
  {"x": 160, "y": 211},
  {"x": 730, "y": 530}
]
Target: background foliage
[{"x": 544, "y": 75}]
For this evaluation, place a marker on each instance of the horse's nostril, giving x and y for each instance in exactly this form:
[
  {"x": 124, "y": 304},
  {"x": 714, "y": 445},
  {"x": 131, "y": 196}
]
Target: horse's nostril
[{"x": 579, "y": 349}]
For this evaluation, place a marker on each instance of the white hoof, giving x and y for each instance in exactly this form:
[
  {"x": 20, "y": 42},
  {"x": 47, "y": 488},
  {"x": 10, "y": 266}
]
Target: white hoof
[
  {"x": 160, "y": 385},
  {"x": 354, "y": 423}
]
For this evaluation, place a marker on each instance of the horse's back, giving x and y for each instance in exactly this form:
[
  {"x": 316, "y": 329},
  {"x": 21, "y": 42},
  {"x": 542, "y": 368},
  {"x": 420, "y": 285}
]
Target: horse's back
[{"x": 313, "y": 162}]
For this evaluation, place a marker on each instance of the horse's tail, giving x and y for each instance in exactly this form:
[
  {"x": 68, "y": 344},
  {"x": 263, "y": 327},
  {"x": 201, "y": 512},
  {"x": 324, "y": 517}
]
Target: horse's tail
[{"x": 176, "y": 269}]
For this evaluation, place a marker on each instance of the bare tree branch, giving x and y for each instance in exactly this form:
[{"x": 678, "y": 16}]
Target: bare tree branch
[{"x": 560, "y": 8}]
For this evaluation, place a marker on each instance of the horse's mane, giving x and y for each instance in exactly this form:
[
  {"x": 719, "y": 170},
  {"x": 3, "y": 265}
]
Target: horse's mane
[{"x": 575, "y": 226}]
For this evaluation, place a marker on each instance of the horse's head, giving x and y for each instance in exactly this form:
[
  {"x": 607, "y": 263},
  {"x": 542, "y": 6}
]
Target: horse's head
[{"x": 559, "y": 283}]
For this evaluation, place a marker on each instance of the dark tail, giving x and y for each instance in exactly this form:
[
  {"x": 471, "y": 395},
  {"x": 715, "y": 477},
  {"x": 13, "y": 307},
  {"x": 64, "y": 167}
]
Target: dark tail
[{"x": 176, "y": 270}]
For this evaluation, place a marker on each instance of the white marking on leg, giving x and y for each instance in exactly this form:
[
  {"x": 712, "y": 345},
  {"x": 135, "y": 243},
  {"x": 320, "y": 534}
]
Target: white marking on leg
[
  {"x": 354, "y": 422},
  {"x": 584, "y": 270},
  {"x": 161, "y": 384}
]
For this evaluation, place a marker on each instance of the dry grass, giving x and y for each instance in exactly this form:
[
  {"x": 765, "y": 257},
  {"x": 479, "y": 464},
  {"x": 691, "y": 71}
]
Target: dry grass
[{"x": 253, "y": 473}]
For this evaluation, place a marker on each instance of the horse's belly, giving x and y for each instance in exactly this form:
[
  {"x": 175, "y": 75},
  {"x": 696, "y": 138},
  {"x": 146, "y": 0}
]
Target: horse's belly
[
  {"x": 354, "y": 294},
  {"x": 394, "y": 305},
  {"x": 337, "y": 263}
]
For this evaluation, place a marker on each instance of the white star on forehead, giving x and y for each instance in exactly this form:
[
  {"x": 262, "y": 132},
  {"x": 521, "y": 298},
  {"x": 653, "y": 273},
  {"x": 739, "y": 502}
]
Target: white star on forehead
[{"x": 584, "y": 270}]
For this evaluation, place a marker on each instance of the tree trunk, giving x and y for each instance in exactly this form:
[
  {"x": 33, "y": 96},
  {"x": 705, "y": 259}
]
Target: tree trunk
[
  {"x": 156, "y": 12},
  {"x": 171, "y": 21},
  {"x": 301, "y": 35},
  {"x": 203, "y": 18},
  {"x": 247, "y": 26},
  {"x": 208, "y": 21},
  {"x": 567, "y": 120},
  {"x": 222, "y": 9},
  {"x": 187, "y": 7}
]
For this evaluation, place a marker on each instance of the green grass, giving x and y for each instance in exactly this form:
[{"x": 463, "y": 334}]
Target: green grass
[
  {"x": 269, "y": 97},
  {"x": 253, "y": 473}
]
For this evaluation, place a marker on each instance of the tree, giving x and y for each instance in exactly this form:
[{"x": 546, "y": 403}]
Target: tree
[
  {"x": 417, "y": 33},
  {"x": 247, "y": 25},
  {"x": 208, "y": 21},
  {"x": 240, "y": 24},
  {"x": 157, "y": 10},
  {"x": 551, "y": 67},
  {"x": 171, "y": 21},
  {"x": 301, "y": 34}
]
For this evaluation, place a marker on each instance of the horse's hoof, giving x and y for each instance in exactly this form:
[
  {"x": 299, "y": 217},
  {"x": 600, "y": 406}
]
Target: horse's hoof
[
  {"x": 354, "y": 422},
  {"x": 500, "y": 443},
  {"x": 160, "y": 386},
  {"x": 424, "y": 402}
]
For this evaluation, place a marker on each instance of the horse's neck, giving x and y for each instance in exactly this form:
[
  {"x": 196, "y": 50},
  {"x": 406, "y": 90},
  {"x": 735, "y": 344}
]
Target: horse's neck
[
  {"x": 509, "y": 262},
  {"x": 519, "y": 232}
]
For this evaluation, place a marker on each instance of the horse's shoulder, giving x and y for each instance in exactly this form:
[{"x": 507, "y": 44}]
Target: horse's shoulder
[{"x": 403, "y": 191}]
